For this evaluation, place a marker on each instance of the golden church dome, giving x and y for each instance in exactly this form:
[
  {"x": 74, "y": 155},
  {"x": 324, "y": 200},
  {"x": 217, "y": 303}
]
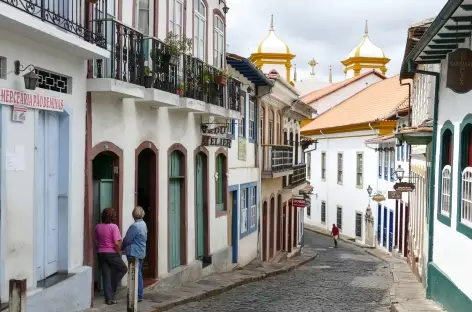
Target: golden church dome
[
  {"x": 366, "y": 48},
  {"x": 272, "y": 43}
]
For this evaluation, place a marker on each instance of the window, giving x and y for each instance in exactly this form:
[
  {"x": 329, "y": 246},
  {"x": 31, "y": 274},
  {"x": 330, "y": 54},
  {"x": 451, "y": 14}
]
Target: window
[
  {"x": 359, "y": 169},
  {"x": 308, "y": 210},
  {"x": 308, "y": 165},
  {"x": 464, "y": 219},
  {"x": 230, "y": 129},
  {"x": 220, "y": 182},
  {"x": 386, "y": 153},
  {"x": 398, "y": 153},
  {"x": 143, "y": 16},
  {"x": 199, "y": 29},
  {"x": 380, "y": 162},
  {"x": 403, "y": 151},
  {"x": 3, "y": 67},
  {"x": 176, "y": 17},
  {"x": 244, "y": 210},
  {"x": 323, "y": 212},
  {"x": 339, "y": 217},
  {"x": 271, "y": 127},
  {"x": 242, "y": 121},
  {"x": 323, "y": 166},
  {"x": 252, "y": 119},
  {"x": 253, "y": 206},
  {"x": 392, "y": 164},
  {"x": 278, "y": 139},
  {"x": 359, "y": 225},
  {"x": 262, "y": 125},
  {"x": 445, "y": 164},
  {"x": 218, "y": 42},
  {"x": 340, "y": 168}
]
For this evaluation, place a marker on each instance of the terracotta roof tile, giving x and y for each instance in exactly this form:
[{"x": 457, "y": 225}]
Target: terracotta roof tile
[
  {"x": 381, "y": 139},
  {"x": 374, "y": 103},
  {"x": 318, "y": 94}
]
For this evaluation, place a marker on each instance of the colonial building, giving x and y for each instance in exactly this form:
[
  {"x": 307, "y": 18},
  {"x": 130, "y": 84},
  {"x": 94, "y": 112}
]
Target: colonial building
[
  {"x": 342, "y": 162},
  {"x": 42, "y": 130},
  {"x": 449, "y": 214}
]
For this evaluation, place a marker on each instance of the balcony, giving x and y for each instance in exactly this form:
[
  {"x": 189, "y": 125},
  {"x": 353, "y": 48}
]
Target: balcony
[
  {"x": 278, "y": 161},
  {"x": 65, "y": 25},
  {"x": 298, "y": 177}
]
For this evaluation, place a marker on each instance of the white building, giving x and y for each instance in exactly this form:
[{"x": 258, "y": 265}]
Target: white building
[
  {"x": 449, "y": 219},
  {"x": 342, "y": 162},
  {"x": 42, "y": 153}
]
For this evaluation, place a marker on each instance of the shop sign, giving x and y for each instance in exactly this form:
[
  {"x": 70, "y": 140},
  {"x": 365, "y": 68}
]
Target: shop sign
[
  {"x": 241, "y": 148},
  {"x": 459, "y": 70},
  {"x": 214, "y": 141},
  {"x": 298, "y": 202},
  {"x": 404, "y": 187},
  {"x": 31, "y": 100},
  {"x": 219, "y": 131},
  {"x": 19, "y": 113},
  {"x": 394, "y": 195}
]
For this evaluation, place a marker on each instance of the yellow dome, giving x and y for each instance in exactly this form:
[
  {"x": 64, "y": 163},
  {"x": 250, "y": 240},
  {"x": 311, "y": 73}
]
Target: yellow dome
[
  {"x": 366, "y": 48},
  {"x": 272, "y": 43}
]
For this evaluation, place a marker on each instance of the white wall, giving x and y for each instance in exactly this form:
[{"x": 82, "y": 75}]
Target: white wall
[
  {"x": 18, "y": 206},
  {"x": 452, "y": 251},
  {"x": 348, "y": 195}
]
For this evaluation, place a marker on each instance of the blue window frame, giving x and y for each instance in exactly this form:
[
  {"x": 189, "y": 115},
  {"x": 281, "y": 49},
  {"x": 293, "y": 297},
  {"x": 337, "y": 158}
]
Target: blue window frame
[
  {"x": 231, "y": 128},
  {"x": 385, "y": 165},
  {"x": 398, "y": 153},
  {"x": 248, "y": 207},
  {"x": 380, "y": 164},
  {"x": 242, "y": 121},
  {"x": 252, "y": 122}
]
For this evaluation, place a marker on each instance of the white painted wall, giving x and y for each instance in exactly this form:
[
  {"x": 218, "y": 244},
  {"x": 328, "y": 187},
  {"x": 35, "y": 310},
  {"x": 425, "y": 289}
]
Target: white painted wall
[
  {"x": 18, "y": 204},
  {"x": 348, "y": 195},
  {"x": 452, "y": 251}
]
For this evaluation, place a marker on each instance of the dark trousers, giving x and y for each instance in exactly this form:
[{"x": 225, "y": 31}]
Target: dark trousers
[
  {"x": 335, "y": 241},
  {"x": 113, "y": 269}
]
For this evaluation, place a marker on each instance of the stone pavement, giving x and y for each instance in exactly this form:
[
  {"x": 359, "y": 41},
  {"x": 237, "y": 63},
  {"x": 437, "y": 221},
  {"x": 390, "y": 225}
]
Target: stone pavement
[
  {"x": 407, "y": 293},
  {"x": 163, "y": 299}
]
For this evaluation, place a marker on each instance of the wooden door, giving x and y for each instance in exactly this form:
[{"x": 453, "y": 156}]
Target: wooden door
[
  {"x": 407, "y": 220},
  {"x": 272, "y": 232},
  {"x": 295, "y": 226},
  {"x": 199, "y": 217},
  {"x": 390, "y": 231},
  {"x": 279, "y": 222},
  {"x": 400, "y": 232},
  {"x": 396, "y": 224},
  {"x": 234, "y": 224},
  {"x": 264, "y": 231},
  {"x": 290, "y": 227},
  {"x": 284, "y": 227},
  {"x": 379, "y": 223},
  {"x": 175, "y": 210},
  {"x": 384, "y": 237}
]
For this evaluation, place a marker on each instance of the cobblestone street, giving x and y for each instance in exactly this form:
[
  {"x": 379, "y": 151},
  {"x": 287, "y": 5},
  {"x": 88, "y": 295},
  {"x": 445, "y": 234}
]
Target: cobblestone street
[{"x": 342, "y": 279}]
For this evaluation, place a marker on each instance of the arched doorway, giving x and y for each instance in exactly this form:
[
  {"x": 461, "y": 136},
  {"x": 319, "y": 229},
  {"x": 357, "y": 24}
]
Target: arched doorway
[
  {"x": 279, "y": 222},
  {"x": 202, "y": 237},
  {"x": 272, "y": 232},
  {"x": 264, "y": 231},
  {"x": 177, "y": 210},
  {"x": 146, "y": 196},
  {"x": 104, "y": 190}
]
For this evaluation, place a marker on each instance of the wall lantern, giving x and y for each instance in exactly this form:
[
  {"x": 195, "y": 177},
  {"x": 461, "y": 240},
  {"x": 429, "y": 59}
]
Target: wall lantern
[
  {"x": 31, "y": 78},
  {"x": 225, "y": 8},
  {"x": 204, "y": 127},
  {"x": 399, "y": 173},
  {"x": 369, "y": 190}
]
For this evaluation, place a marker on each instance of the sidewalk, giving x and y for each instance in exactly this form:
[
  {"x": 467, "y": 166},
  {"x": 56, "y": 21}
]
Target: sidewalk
[
  {"x": 407, "y": 294},
  {"x": 163, "y": 299}
]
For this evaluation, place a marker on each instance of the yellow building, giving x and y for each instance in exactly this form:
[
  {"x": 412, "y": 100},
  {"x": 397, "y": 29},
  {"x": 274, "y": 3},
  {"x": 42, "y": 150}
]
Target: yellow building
[
  {"x": 273, "y": 53},
  {"x": 364, "y": 57}
]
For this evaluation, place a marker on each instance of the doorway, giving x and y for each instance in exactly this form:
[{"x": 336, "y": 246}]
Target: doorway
[
  {"x": 147, "y": 197},
  {"x": 233, "y": 195},
  {"x": 290, "y": 226},
  {"x": 384, "y": 237},
  {"x": 284, "y": 227},
  {"x": 407, "y": 220},
  {"x": 272, "y": 232},
  {"x": 264, "y": 231},
  {"x": 390, "y": 231},
  {"x": 379, "y": 223},
  {"x": 279, "y": 222},
  {"x": 400, "y": 232},
  {"x": 201, "y": 208}
]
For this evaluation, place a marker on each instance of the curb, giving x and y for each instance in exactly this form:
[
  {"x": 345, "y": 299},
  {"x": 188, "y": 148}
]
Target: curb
[{"x": 218, "y": 291}]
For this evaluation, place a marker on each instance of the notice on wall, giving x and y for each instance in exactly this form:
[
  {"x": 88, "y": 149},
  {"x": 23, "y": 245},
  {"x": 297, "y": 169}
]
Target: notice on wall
[
  {"x": 241, "y": 148},
  {"x": 15, "y": 161}
]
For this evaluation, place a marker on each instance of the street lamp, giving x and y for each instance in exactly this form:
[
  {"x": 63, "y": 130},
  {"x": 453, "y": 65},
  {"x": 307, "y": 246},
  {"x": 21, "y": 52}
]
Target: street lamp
[
  {"x": 31, "y": 78},
  {"x": 369, "y": 191},
  {"x": 399, "y": 173}
]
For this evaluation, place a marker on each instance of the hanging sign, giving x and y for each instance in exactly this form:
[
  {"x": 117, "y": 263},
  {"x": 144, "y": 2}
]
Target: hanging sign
[
  {"x": 404, "y": 187},
  {"x": 298, "y": 202},
  {"x": 31, "y": 100},
  {"x": 459, "y": 70},
  {"x": 19, "y": 113},
  {"x": 221, "y": 130},
  {"x": 212, "y": 141},
  {"x": 394, "y": 195}
]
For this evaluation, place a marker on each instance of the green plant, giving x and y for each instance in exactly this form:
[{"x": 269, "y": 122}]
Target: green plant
[
  {"x": 177, "y": 44},
  {"x": 223, "y": 72},
  {"x": 181, "y": 87},
  {"x": 147, "y": 71}
]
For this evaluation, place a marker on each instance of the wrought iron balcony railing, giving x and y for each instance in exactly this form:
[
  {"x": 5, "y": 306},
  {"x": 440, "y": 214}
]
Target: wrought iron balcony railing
[
  {"x": 298, "y": 177},
  {"x": 278, "y": 158},
  {"x": 163, "y": 66},
  {"x": 127, "y": 53},
  {"x": 74, "y": 16}
]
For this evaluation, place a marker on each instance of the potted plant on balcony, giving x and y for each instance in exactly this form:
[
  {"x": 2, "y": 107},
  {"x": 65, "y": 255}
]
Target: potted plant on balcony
[
  {"x": 175, "y": 46},
  {"x": 222, "y": 76},
  {"x": 180, "y": 89},
  {"x": 148, "y": 77}
]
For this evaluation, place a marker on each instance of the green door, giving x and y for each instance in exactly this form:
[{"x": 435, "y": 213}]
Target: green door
[
  {"x": 199, "y": 202},
  {"x": 174, "y": 217}
]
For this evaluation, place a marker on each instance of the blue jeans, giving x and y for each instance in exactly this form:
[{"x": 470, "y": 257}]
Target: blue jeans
[{"x": 140, "y": 279}]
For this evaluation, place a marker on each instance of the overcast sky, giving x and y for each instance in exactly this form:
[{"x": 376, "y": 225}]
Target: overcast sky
[{"x": 326, "y": 29}]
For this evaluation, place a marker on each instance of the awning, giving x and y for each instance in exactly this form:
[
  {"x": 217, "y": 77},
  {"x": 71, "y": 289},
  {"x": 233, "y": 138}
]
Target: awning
[
  {"x": 381, "y": 139},
  {"x": 248, "y": 70},
  {"x": 450, "y": 28},
  {"x": 420, "y": 135}
]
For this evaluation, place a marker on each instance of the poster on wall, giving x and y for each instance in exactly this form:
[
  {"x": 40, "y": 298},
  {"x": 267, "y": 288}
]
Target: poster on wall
[
  {"x": 241, "y": 148},
  {"x": 18, "y": 114}
]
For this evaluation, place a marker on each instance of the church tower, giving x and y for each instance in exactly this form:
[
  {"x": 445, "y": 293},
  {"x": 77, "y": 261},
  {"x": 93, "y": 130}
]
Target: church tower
[
  {"x": 273, "y": 53},
  {"x": 366, "y": 56}
]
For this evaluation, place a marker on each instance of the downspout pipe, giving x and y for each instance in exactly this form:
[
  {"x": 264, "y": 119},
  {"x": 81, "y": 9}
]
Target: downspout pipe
[{"x": 432, "y": 180}]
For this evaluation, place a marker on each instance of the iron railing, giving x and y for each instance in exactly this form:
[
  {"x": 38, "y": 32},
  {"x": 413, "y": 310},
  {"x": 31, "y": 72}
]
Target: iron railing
[
  {"x": 162, "y": 64},
  {"x": 278, "y": 158},
  {"x": 298, "y": 177},
  {"x": 234, "y": 101},
  {"x": 127, "y": 53},
  {"x": 74, "y": 16}
]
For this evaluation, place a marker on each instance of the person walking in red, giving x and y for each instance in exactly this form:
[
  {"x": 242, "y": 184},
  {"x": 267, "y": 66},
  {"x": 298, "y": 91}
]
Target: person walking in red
[{"x": 335, "y": 234}]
